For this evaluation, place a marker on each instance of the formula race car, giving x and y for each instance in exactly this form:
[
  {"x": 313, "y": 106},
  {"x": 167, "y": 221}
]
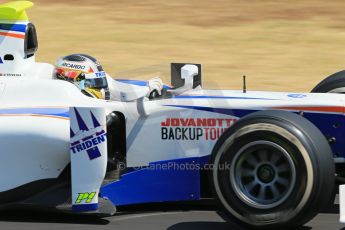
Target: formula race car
[{"x": 268, "y": 158}]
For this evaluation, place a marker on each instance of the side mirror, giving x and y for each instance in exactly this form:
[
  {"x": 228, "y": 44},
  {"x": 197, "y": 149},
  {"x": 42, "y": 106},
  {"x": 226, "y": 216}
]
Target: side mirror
[
  {"x": 188, "y": 72},
  {"x": 185, "y": 77}
]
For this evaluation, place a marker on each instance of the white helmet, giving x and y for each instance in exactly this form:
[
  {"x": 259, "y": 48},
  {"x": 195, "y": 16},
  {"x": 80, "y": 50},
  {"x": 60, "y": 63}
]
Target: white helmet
[{"x": 85, "y": 72}]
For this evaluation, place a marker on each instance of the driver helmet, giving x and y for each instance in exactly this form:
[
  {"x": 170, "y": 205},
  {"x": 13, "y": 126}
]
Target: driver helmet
[{"x": 85, "y": 72}]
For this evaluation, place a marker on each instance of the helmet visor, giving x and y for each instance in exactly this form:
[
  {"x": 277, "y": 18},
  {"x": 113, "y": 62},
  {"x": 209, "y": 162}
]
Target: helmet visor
[{"x": 96, "y": 83}]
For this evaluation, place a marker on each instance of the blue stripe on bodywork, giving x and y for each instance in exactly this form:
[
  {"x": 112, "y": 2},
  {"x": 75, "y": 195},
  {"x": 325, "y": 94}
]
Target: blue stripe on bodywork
[
  {"x": 13, "y": 27},
  {"x": 219, "y": 97},
  {"x": 133, "y": 82},
  {"x": 138, "y": 82},
  {"x": 233, "y": 112},
  {"x": 59, "y": 112},
  {"x": 84, "y": 207},
  {"x": 160, "y": 181}
]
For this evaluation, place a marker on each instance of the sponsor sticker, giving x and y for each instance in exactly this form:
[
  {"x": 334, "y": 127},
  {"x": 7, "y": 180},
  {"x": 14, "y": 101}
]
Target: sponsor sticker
[
  {"x": 89, "y": 142},
  {"x": 191, "y": 129},
  {"x": 100, "y": 74},
  {"x": 296, "y": 95},
  {"x": 10, "y": 75},
  {"x": 73, "y": 66}
]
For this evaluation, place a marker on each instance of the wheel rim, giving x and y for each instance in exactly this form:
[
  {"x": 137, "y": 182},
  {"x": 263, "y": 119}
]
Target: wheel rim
[
  {"x": 262, "y": 174},
  {"x": 340, "y": 90}
]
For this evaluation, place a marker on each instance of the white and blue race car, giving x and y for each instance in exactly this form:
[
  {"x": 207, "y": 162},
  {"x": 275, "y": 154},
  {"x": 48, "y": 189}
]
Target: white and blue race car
[{"x": 271, "y": 159}]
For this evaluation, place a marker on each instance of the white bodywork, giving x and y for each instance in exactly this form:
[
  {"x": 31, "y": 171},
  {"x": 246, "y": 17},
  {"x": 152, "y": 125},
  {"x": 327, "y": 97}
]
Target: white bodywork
[
  {"x": 39, "y": 144},
  {"x": 40, "y": 130}
]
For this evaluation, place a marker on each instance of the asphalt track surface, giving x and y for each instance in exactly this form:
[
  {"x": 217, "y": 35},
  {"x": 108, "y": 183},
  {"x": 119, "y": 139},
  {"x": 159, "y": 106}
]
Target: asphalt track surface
[{"x": 148, "y": 217}]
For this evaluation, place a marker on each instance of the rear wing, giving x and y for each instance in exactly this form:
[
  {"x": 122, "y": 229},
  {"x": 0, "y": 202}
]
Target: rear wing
[
  {"x": 18, "y": 38},
  {"x": 15, "y": 10}
]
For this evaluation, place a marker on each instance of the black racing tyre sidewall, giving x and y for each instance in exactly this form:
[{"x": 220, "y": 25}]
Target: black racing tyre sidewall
[
  {"x": 332, "y": 82},
  {"x": 224, "y": 175},
  {"x": 322, "y": 169}
]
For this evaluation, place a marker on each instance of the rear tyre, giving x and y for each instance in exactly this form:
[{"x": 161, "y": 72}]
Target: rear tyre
[
  {"x": 272, "y": 169},
  {"x": 335, "y": 83}
]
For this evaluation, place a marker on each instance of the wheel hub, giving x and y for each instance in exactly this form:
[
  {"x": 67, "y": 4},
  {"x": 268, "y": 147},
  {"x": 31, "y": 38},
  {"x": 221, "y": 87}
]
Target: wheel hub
[
  {"x": 262, "y": 174},
  {"x": 266, "y": 173}
]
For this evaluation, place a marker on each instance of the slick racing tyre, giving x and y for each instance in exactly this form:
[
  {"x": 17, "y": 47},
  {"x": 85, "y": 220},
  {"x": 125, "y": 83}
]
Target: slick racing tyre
[
  {"x": 272, "y": 170},
  {"x": 335, "y": 83}
]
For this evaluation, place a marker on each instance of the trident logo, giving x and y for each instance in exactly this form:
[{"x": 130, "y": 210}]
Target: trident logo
[{"x": 90, "y": 142}]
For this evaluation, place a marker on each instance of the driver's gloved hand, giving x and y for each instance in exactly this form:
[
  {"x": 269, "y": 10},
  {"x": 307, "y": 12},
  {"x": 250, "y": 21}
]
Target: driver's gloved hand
[{"x": 155, "y": 86}]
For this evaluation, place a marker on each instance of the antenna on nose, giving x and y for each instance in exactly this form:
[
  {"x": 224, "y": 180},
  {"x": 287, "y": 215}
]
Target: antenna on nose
[{"x": 244, "y": 84}]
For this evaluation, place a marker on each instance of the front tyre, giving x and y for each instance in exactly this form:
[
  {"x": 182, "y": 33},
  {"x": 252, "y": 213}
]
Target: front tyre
[
  {"x": 334, "y": 83},
  {"x": 272, "y": 169}
]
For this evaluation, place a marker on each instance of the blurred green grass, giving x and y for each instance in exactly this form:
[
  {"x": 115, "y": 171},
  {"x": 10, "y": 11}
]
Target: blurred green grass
[{"x": 279, "y": 45}]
